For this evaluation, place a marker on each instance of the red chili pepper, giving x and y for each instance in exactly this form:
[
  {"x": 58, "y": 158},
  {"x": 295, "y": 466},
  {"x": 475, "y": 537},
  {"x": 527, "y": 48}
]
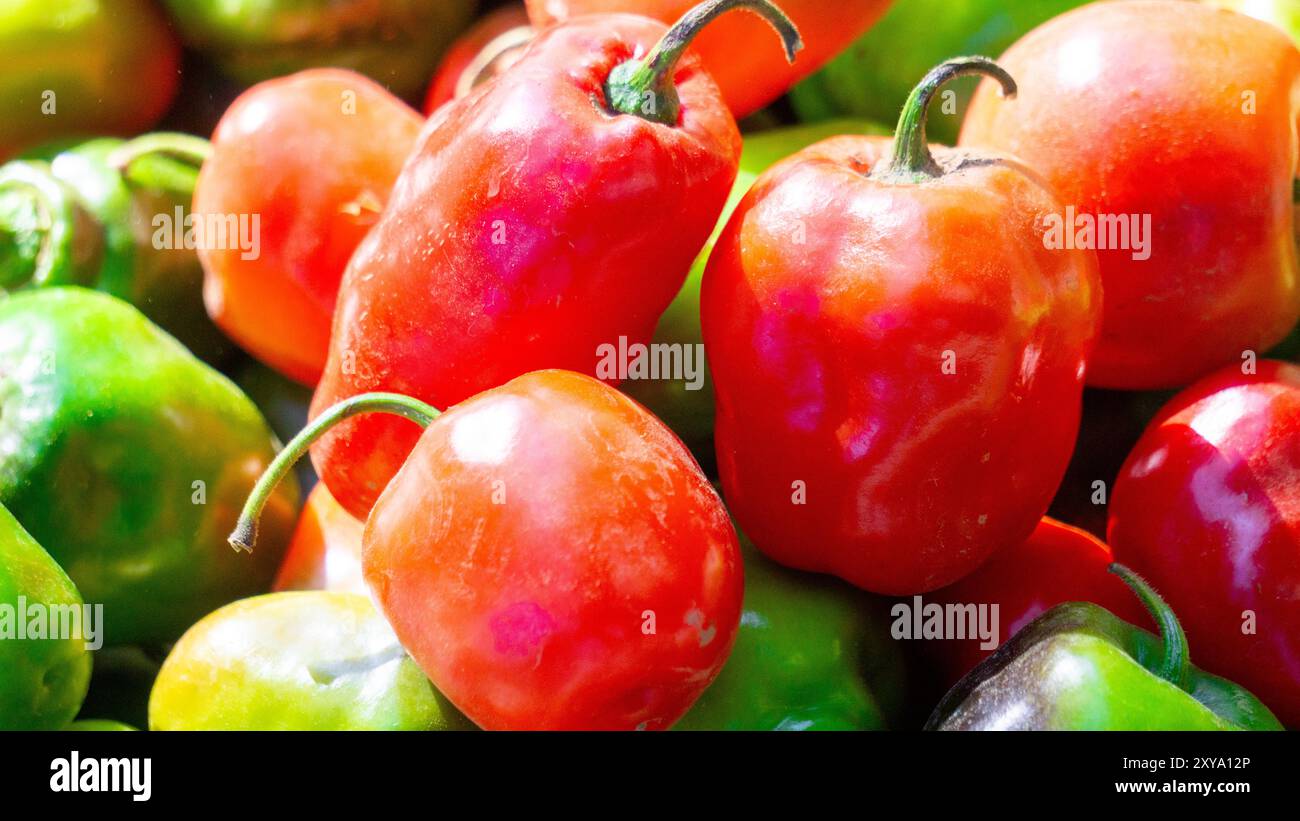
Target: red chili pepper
[
  {"x": 898, "y": 359},
  {"x": 1207, "y": 508},
  {"x": 550, "y": 555},
  {"x": 312, "y": 157},
  {"x": 552, "y": 211}
]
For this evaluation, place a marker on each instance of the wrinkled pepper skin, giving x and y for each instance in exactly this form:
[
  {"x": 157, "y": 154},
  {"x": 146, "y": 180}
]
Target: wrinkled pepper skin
[
  {"x": 313, "y": 156},
  {"x": 1055, "y": 565},
  {"x": 1079, "y": 667},
  {"x": 465, "y": 64},
  {"x": 1184, "y": 115},
  {"x": 553, "y": 558},
  {"x": 733, "y": 51},
  {"x": 108, "y": 236},
  {"x": 867, "y": 334},
  {"x": 325, "y": 551},
  {"x": 1208, "y": 508},
  {"x": 130, "y": 458},
  {"x": 42, "y": 680},
  {"x": 295, "y": 661},
  {"x": 112, "y": 67},
  {"x": 395, "y": 42},
  {"x": 528, "y": 228},
  {"x": 690, "y": 412},
  {"x": 812, "y": 653},
  {"x": 873, "y": 77}
]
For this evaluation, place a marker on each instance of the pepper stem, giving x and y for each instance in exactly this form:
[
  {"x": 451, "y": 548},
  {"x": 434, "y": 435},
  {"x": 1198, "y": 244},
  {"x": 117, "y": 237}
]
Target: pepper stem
[
  {"x": 912, "y": 160},
  {"x": 38, "y": 207},
  {"x": 166, "y": 161},
  {"x": 244, "y": 536},
  {"x": 645, "y": 87},
  {"x": 1175, "y": 662}
]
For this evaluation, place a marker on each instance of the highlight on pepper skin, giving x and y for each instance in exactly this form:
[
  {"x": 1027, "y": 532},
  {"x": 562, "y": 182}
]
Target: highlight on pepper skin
[{"x": 629, "y": 365}]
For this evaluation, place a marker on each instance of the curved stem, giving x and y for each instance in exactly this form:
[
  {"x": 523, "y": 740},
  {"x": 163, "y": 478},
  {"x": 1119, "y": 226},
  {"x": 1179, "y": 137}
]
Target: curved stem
[
  {"x": 166, "y": 160},
  {"x": 1175, "y": 662},
  {"x": 53, "y": 217},
  {"x": 645, "y": 87},
  {"x": 912, "y": 160},
  {"x": 244, "y": 536}
]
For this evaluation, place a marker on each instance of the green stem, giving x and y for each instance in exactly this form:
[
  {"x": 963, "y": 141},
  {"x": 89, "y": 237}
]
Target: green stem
[
  {"x": 244, "y": 536},
  {"x": 645, "y": 87},
  {"x": 166, "y": 161},
  {"x": 1175, "y": 662},
  {"x": 912, "y": 160},
  {"x": 44, "y": 208}
]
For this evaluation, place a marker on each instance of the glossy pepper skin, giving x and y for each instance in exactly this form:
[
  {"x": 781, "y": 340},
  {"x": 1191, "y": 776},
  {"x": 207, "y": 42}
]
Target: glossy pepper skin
[
  {"x": 111, "y": 67},
  {"x": 70, "y": 216},
  {"x": 314, "y": 157},
  {"x": 1207, "y": 507},
  {"x": 325, "y": 551},
  {"x": 129, "y": 458},
  {"x": 873, "y": 77},
  {"x": 549, "y": 554},
  {"x": 42, "y": 680},
  {"x": 1185, "y": 114},
  {"x": 1079, "y": 667},
  {"x": 812, "y": 653},
  {"x": 534, "y": 223},
  {"x": 683, "y": 405},
  {"x": 1055, "y": 565},
  {"x": 489, "y": 47},
  {"x": 312, "y": 660},
  {"x": 873, "y": 328},
  {"x": 733, "y": 52},
  {"x": 395, "y": 42}
]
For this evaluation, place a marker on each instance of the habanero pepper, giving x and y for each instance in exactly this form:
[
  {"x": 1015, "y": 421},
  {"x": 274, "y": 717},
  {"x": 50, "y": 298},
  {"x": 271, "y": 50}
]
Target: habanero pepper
[
  {"x": 750, "y": 76},
  {"x": 1078, "y": 667},
  {"x": 489, "y": 47},
  {"x": 76, "y": 67},
  {"x": 1169, "y": 128},
  {"x": 312, "y": 660},
  {"x": 549, "y": 554},
  {"x": 898, "y": 359},
  {"x": 325, "y": 550},
  {"x": 1208, "y": 507},
  {"x": 551, "y": 212}
]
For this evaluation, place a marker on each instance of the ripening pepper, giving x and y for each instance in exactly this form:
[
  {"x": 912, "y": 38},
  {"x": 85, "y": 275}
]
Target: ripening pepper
[
  {"x": 325, "y": 551},
  {"x": 873, "y": 77},
  {"x": 311, "y": 660},
  {"x": 311, "y": 158},
  {"x": 1079, "y": 667},
  {"x": 75, "y": 67},
  {"x": 684, "y": 406},
  {"x": 395, "y": 42},
  {"x": 489, "y": 47},
  {"x": 42, "y": 680},
  {"x": 129, "y": 459},
  {"x": 549, "y": 213},
  {"x": 897, "y": 358},
  {"x": 749, "y": 75},
  {"x": 69, "y": 215},
  {"x": 1169, "y": 130},
  {"x": 811, "y": 653}
]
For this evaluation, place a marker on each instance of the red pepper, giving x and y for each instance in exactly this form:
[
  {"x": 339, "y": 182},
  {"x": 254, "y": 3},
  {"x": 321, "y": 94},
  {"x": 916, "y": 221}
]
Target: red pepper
[
  {"x": 550, "y": 555},
  {"x": 325, "y": 551},
  {"x": 552, "y": 211},
  {"x": 749, "y": 75},
  {"x": 1207, "y": 508},
  {"x": 898, "y": 359},
  {"x": 491, "y": 45},
  {"x": 312, "y": 157}
]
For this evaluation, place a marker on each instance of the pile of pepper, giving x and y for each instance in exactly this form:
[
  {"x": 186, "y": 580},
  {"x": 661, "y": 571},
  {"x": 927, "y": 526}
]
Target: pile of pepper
[{"x": 655, "y": 368}]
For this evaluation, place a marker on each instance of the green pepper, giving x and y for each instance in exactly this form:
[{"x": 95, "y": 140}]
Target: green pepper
[
  {"x": 308, "y": 660},
  {"x": 684, "y": 406},
  {"x": 812, "y": 653},
  {"x": 875, "y": 75},
  {"x": 99, "y": 725},
  {"x": 396, "y": 42},
  {"x": 43, "y": 677},
  {"x": 1079, "y": 667},
  {"x": 75, "y": 67},
  {"x": 68, "y": 216},
  {"x": 130, "y": 460}
]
